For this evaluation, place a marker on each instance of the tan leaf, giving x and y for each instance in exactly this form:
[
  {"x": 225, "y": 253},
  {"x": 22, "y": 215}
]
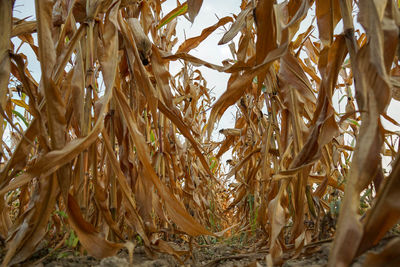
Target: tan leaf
[
  {"x": 191, "y": 43},
  {"x": 236, "y": 26},
  {"x": 328, "y": 15},
  {"x": 5, "y": 46},
  {"x": 384, "y": 213},
  {"x": 89, "y": 238},
  {"x": 194, "y": 8}
]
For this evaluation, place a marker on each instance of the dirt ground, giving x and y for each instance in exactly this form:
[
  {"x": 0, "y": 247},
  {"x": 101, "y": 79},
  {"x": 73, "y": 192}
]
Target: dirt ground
[{"x": 223, "y": 254}]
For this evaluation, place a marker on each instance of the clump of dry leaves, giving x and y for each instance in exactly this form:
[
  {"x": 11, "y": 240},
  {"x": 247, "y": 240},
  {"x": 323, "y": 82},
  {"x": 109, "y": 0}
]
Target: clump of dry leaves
[{"x": 112, "y": 148}]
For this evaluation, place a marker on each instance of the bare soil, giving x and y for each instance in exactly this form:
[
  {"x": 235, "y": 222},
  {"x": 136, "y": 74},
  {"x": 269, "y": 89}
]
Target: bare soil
[{"x": 221, "y": 254}]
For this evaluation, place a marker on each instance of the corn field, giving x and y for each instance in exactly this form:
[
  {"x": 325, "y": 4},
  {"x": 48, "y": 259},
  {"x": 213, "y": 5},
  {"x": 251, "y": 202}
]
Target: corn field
[{"x": 111, "y": 149}]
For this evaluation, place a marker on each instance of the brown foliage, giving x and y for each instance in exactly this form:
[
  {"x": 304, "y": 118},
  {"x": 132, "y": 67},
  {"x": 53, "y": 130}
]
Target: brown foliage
[{"x": 131, "y": 158}]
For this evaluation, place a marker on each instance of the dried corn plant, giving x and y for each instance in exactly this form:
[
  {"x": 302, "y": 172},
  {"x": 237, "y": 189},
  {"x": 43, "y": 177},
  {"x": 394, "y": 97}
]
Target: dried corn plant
[
  {"x": 113, "y": 145},
  {"x": 114, "y": 149},
  {"x": 291, "y": 158}
]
